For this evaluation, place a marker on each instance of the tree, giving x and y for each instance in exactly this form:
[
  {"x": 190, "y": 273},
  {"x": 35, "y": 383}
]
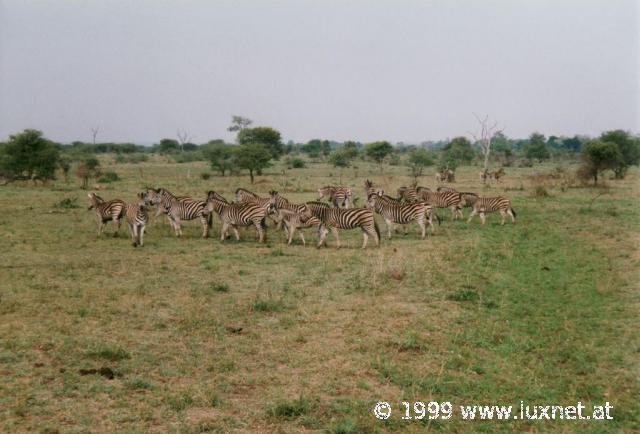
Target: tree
[
  {"x": 94, "y": 133},
  {"x": 266, "y": 136},
  {"x": 340, "y": 158},
  {"x": 168, "y": 146},
  {"x": 89, "y": 168},
  {"x": 485, "y": 138},
  {"x": 537, "y": 148},
  {"x": 325, "y": 148},
  {"x": 418, "y": 160},
  {"x": 219, "y": 154},
  {"x": 573, "y": 144},
  {"x": 30, "y": 156},
  {"x": 350, "y": 149},
  {"x": 598, "y": 156},
  {"x": 253, "y": 157},
  {"x": 238, "y": 123},
  {"x": 65, "y": 165},
  {"x": 313, "y": 148},
  {"x": 378, "y": 151},
  {"x": 184, "y": 138},
  {"x": 457, "y": 151},
  {"x": 629, "y": 148}
]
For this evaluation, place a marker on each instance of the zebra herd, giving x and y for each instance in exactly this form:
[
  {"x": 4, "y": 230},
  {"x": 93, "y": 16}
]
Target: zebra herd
[{"x": 413, "y": 204}]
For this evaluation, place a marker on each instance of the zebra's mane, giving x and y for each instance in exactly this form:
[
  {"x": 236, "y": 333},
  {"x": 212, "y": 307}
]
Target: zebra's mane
[{"x": 244, "y": 190}]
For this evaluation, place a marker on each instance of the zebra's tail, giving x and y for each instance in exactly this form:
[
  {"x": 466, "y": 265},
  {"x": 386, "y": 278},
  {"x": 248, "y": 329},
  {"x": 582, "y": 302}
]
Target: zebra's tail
[{"x": 210, "y": 219}]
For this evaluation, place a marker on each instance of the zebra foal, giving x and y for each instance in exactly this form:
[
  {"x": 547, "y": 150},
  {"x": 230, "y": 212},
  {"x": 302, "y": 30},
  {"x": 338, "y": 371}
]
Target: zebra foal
[
  {"x": 491, "y": 204},
  {"x": 137, "y": 219}
]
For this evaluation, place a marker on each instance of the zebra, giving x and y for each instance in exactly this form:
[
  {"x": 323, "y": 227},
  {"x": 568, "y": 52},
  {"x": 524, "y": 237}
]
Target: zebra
[
  {"x": 340, "y": 197},
  {"x": 467, "y": 198},
  {"x": 111, "y": 210},
  {"x": 179, "y": 208},
  {"x": 445, "y": 199},
  {"x": 490, "y": 204},
  {"x": 408, "y": 194},
  {"x": 137, "y": 219},
  {"x": 370, "y": 189},
  {"x": 443, "y": 189},
  {"x": 337, "y": 218},
  {"x": 392, "y": 212},
  {"x": 233, "y": 215},
  {"x": 293, "y": 221}
]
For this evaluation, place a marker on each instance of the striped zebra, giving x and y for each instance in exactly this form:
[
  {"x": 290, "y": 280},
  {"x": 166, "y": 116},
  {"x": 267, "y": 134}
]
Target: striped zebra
[
  {"x": 110, "y": 210},
  {"x": 443, "y": 189},
  {"x": 337, "y": 218},
  {"x": 137, "y": 219},
  {"x": 369, "y": 189},
  {"x": 445, "y": 199},
  {"x": 340, "y": 197},
  {"x": 293, "y": 221},
  {"x": 233, "y": 215},
  {"x": 180, "y": 208},
  {"x": 411, "y": 194},
  {"x": 467, "y": 198},
  {"x": 490, "y": 204},
  {"x": 394, "y": 212}
]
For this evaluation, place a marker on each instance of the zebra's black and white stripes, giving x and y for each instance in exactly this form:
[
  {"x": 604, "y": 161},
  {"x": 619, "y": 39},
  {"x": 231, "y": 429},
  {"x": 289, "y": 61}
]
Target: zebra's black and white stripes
[
  {"x": 337, "y": 218},
  {"x": 105, "y": 211},
  {"x": 137, "y": 219},
  {"x": 485, "y": 205},
  {"x": 234, "y": 215},
  {"x": 340, "y": 197},
  {"x": 395, "y": 213},
  {"x": 178, "y": 209}
]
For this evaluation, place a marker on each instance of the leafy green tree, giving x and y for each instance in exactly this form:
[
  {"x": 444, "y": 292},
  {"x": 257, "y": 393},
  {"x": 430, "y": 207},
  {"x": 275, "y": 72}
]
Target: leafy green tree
[
  {"x": 598, "y": 156},
  {"x": 350, "y": 149},
  {"x": 313, "y": 148},
  {"x": 65, "y": 165},
  {"x": 573, "y": 144},
  {"x": 629, "y": 147},
  {"x": 340, "y": 158},
  {"x": 266, "y": 136},
  {"x": 419, "y": 159},
  {"x": 459, "y": 150},
  {"x": 168, "y": 146},
  {"x": 537, "y": 148},
  {"x": 29, "y": 155},
  {"x": 253, "y": 157},
  {"x": 325, "y": 148},
  {"x": 378, "y": 151},
  {"x": 219, "y": 154}
]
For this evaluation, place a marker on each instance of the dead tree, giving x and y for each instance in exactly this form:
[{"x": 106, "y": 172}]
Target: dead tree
[
  {"x": 94, "y": 133},
  {"x": 487, "y": 132},
  {"x": 183, "y": 137}
]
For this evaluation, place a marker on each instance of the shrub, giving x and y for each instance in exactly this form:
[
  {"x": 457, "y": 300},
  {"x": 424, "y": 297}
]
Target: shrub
[
  {"x": 290, "y": 409},
  {"x": 108, "y": 177},
  {"x": 131, "y": 158},
  {"x": 67, "y": 203},
  {"x": 540, "y": 192},
  {"x": 296, "y": 163},
  {"x": 205, "y": 175}
]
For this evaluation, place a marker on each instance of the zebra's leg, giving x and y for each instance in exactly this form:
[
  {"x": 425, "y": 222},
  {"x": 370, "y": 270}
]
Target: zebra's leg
[
  {"x": 482, "y": 217},
  {"x": 235, "y": 232},
  {"x": 423, "y": 231},
  {"x": 503, "y": 214},
  {"x": 117, "y": 222},
  {"x": 178, "y": 227},
  {"x": 223, "y": 230},
  {"x": 323, "y": 232},
  {"x": 453, "y": 213},
  {"x": 302, "y": 238},
  {"x": 205, "y": 226},
  {"x": 334, "y": 231},
  {"x": 260, "y": 232},
  {"x": 472, "y": 215},
  {"x": 141, "y": 235},
  {"x": 460, "y": 212},
  {"x": 365, "y": 238},
  {"x": 292, "y": 231},
  {"x": 389, "y": 227},
  {"x": 510, "y": 212},
  {"x": 101, "y": 225}
]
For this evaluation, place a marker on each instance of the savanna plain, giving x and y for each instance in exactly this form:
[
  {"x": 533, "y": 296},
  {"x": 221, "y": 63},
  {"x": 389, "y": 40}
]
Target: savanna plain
[{"x": 196, "y": 335}]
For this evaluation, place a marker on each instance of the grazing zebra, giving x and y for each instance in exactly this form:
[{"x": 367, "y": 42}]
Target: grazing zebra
[
  {"x": 111, "y": 210},
  {"x": 369, "y": 189},
  {"x": 392, "y": 212},
  {"x": 443, "y": 189},
  {"x": 336, "y": 218},
  {"x": 490, "y": 204},
  {"x": 468, "y": 199},
  {"x": 340, "y": 197},
  {"x": 137, "y": 219},
  {"x": 233, "y": 215},
  {"x": 408, "y": 194},
  {"x": 445, "y": 199},
  {"x": 180, "y": 208},
  {"x": 293, "y": 221}
]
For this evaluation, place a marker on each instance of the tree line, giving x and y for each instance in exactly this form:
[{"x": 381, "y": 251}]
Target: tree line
[{"x": 29, "y": 155}]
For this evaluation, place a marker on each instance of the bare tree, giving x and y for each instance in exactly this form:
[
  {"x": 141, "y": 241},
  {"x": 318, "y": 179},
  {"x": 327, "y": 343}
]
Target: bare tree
[
  {"x": 183, "y": 137},
  {"x": 94, "y": 133},
  {"x": 238, "y": 123},
  {"x": 487, "y": 131}
]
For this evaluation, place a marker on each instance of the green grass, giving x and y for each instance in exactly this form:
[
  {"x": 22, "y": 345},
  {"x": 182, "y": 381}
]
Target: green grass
[{"x": 237, "y": 336}]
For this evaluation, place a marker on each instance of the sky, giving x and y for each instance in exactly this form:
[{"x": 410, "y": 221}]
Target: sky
[{"x": 341, "y": 70}]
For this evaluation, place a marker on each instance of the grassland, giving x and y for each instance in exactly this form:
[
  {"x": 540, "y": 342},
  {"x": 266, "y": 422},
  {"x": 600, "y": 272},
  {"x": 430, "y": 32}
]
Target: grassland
[{"x": 200, "y": 335}]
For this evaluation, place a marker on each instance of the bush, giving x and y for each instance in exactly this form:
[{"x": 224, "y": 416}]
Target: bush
[
  {"x": 187, "y": 157},
  {"x": 67, "y": 203},
  {"x": 205, "y": 175},
  {"x": 131, "y": 158},
  {"x": 108, "y": 177},
  {"x": 296, "y": 163},
  {"x": 540, "y": 192}
]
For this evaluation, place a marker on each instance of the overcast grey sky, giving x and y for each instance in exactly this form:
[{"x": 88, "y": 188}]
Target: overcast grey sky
[{"x": 363, "y": 70}]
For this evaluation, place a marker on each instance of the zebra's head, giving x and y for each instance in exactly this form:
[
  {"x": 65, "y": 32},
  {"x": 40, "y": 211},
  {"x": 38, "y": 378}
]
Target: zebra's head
[
  {"x": 94, "y": 200},
  {"x": 143, "y": 200},
  {"x": 372, "y": 200},
  {"x": 154, "y": 196}
]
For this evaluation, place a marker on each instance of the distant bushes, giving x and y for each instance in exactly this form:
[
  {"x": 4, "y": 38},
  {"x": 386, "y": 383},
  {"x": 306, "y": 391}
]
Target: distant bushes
[
  {"x": 132, "y": 158},
  {"x": 295, "y": 163},
  {"x": 108, "y": 177}
]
